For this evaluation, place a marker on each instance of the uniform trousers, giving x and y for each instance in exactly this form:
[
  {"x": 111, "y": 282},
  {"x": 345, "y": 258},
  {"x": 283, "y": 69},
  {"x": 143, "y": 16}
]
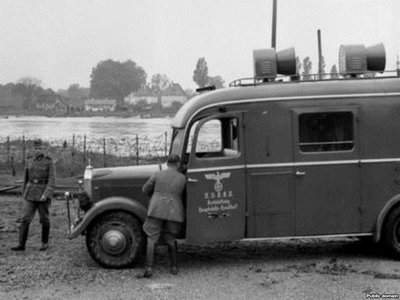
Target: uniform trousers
[
  {"x": 156, "y": 228},
  {"x": 30, "y": 208}
]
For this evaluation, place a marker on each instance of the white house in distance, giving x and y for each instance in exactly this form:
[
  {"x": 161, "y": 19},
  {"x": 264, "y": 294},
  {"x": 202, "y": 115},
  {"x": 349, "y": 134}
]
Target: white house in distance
[
  {"x": 100, "y": 105},
  {"x": 141, "y": 95},
  {"x": 174, "y": 93}
]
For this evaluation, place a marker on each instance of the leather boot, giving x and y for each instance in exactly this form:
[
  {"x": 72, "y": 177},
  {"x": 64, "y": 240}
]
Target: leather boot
[
  {"x": 45, "y": 237},
  {"x": 172, "y": 250},
  {"x": 148, "y": 271},
  {"x": 23, "y": 236}
]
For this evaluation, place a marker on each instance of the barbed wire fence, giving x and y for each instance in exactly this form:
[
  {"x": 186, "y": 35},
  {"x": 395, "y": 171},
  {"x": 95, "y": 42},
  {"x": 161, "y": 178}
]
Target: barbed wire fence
[{"x": 72, "y": 155}]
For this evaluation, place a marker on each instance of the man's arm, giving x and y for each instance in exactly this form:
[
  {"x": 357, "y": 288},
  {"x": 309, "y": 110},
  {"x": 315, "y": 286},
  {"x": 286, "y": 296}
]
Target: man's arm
[
  {"x": 148, "y": 187},
  {"x": 26, "y": 179},
  {"x": 49, "y": 191}
]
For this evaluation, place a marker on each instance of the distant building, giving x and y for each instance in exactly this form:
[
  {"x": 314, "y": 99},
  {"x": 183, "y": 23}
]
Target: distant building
[
  {"x": 97, "y": 105},
  {"x": 51, "y": 104},
  {"x": 143, "y": 94},
  {"x": 74, "y": 105},
  {"x": 174, "y": 93}
]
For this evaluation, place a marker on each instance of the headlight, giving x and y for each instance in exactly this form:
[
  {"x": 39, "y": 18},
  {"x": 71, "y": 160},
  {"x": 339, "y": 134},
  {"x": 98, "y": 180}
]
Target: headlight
[
  {"x": 87, "y": 180},
  {"x": 84, "y": 201}
]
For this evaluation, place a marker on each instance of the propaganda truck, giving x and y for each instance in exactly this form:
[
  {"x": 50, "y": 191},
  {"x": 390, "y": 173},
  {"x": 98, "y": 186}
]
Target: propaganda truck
[{"x": 269, "y": 157}]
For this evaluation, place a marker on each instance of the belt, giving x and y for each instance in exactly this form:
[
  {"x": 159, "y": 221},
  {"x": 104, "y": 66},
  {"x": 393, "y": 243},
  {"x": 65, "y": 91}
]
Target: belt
[{"x": 37, "y": 181}]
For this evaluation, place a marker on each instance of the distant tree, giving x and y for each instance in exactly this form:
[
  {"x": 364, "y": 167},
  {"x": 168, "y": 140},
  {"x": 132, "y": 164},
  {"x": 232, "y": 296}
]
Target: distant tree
[
  {"x": 28, "y": 88},
  {"x": 63, "y": 93},
  {"x": 216, "y": 81},
  {"x": 115, "y": 80},
  {"x": 298, "y": 66},
  {"x": 334, "y": 72},
  {"x": 159, "y": 82},
  {"x": 74, "y": 91},
  {"x": 307, "y": 67},
  {"x": 30, "y": 82},
  {"x": 200, "y": 74},
  {"x": 6, "y": 93},
  {"x": 46, "y": 95}
]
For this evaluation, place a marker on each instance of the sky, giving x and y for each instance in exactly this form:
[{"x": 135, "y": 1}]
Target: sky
[{"x": 61, "y": 41}]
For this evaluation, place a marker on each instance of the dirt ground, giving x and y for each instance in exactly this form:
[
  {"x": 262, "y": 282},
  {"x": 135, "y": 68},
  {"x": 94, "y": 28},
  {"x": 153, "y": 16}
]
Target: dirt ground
[{"x": 343, "y": 268}]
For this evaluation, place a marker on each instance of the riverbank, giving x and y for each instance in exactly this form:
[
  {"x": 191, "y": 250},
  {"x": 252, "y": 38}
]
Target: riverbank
[
  {"x": 129, "y": 137},
  {"x": 69, "y": 159},
  {"x": 4, "y": 114}
]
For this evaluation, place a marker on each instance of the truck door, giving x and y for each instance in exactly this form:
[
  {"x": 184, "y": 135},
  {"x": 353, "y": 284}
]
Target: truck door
[
  {"x": 216, "y": 198},
  {"x": 327, "y": 171}
]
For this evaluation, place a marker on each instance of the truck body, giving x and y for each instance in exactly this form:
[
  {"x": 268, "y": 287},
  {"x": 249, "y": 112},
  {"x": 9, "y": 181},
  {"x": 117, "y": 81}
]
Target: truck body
[{"x": 269, "y": 160}]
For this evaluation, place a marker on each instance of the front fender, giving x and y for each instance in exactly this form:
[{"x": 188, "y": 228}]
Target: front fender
[
  {"x": 108, "y": 204},
  {"x": 382, "y": 216}
]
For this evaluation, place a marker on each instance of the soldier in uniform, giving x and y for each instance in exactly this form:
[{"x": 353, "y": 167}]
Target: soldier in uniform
[
  {"x": 37, "y": 192},
  {"x": 165, "y": 212}
]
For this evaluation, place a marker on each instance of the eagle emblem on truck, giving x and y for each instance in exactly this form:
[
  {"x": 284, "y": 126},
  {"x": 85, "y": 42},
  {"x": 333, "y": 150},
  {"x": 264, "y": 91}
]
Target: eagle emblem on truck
[{"x": 218, "y": 186}]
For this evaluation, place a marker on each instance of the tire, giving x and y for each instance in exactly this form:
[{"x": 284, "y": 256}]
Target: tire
[
  {"x": 115, "y": 240},
  {"x": 391, "y": 233}
]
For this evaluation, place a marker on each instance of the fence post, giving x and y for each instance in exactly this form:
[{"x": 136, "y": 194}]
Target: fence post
[
  {"x": 166, "y": 144},
  {"x": 104, "y": 153},
  {"x": 73, "y": 154},
  {"x": 84, "y": 149},
  {"x": 23, "y": 150},
  {"x": 137, "y": 149},
  {"x": 8, "y": 152},
  {"x": 12, "y": 166}
]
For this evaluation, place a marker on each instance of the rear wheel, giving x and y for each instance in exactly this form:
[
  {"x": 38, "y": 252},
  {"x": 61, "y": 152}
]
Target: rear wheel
[
  {"x": 115, "y": 240},
  {"x": 391, "y": 232}
]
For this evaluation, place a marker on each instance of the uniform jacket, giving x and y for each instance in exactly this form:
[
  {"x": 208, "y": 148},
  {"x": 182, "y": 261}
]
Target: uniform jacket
[
  {"x": 167, "y": 190},
  {"x": 39, "y": 179}
]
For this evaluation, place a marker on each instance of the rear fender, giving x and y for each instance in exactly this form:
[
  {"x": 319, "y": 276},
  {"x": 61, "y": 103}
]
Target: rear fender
[
  {"x": 383, "y": 214},
  {"x": 108, "y": 204}
]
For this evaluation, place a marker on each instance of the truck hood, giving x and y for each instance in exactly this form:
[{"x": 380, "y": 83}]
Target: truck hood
[{"x": 126, "y": 173}]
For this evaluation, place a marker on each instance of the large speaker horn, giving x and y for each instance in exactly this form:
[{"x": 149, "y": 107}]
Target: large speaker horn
[
  {"x": 268, "y": 63},
  {"x": 356, "y": 59},
  {"x": 286, "y": 60},
  {"x": 352, "y": 59},
  {"x": 376, "y": 58},
  {"x": 264, "y": 63}
]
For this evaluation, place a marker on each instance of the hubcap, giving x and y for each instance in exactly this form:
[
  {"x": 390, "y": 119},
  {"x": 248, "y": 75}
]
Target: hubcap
[{"x": 114, "y": 241}]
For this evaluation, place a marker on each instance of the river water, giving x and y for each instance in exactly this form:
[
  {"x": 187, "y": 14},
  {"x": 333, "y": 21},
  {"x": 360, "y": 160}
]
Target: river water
[{"x": 120, "y": 133}]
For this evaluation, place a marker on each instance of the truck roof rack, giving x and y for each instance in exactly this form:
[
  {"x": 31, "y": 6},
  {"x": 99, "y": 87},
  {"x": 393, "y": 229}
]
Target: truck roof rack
[{"x": 255, "y": 81}]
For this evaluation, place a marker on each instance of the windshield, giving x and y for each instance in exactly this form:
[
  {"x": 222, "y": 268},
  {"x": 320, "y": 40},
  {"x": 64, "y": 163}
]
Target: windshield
[{"x": 177, "y": 139}]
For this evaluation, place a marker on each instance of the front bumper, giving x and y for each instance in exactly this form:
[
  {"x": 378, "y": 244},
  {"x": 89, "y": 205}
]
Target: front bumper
[{"x": 75, "y": 212}]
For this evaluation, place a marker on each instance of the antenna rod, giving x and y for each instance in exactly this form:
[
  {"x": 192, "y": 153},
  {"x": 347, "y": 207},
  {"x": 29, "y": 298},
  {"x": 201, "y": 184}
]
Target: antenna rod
[
  {"x": 273, "y": 40},
  {"x": 319, "y": 55}
]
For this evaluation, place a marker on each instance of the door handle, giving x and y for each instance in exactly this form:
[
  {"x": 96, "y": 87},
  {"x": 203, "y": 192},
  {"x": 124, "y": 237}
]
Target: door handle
[
  {"x": 300, "y": 173},
  {"x": 192, "y": 180}
]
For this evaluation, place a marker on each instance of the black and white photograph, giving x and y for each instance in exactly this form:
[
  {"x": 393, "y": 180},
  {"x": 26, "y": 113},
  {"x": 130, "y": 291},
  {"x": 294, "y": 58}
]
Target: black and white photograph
[{"x": 199, "y": 149}]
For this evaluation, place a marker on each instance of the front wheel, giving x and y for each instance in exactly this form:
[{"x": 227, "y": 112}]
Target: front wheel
[
  {"x": 391, "y": 232},
  {"x": 115, "y": 240}
]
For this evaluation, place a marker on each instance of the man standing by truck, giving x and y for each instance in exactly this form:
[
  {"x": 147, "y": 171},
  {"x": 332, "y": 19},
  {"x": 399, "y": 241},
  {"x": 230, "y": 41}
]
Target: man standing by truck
[
  {"x": 37, "y": 191},
  {"x": 165, "y": 212}
]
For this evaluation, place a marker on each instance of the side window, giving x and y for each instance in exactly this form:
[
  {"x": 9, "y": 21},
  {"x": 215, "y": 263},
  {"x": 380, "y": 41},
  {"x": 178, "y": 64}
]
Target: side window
[
  {"x": 326, "y": 131},
  {"x": 216, "y": 138}
]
